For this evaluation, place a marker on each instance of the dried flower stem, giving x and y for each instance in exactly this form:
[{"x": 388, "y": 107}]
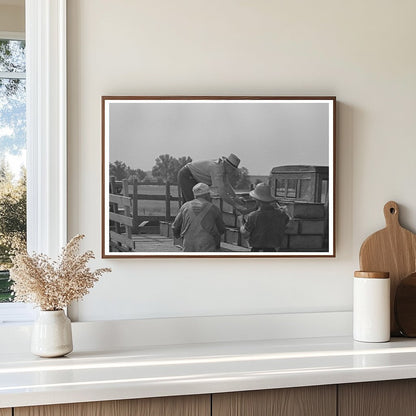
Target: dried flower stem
[{"x": 53, "y": 285}]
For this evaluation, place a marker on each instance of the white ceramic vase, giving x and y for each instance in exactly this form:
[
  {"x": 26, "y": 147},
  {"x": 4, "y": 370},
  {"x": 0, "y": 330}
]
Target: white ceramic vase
[{"x": 52, "y": 334}]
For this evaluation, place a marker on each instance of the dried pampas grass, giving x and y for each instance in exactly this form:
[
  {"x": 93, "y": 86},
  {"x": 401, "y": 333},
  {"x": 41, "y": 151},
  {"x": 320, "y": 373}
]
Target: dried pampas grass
[{"x": 53, "y": 285}]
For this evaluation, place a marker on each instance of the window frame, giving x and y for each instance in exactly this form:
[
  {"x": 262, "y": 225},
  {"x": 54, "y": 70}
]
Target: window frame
[
  {"x": 46, "y": 121},
  {"x": 12, "y": 35},
  {"x": 46, "y": 125}
]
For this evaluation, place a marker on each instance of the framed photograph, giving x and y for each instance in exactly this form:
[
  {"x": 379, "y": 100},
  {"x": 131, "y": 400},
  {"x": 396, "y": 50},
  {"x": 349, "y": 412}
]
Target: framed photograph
[{"x": 218, "y": 176}]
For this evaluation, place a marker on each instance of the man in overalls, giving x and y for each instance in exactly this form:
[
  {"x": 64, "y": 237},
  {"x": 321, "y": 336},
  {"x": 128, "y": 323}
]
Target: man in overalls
[{"x": 199, "y": 222}]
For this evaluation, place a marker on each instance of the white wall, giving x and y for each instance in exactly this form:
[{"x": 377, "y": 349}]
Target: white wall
[
  {"x": 361, "y": 51},
  {"x": 12, "y": 17}
]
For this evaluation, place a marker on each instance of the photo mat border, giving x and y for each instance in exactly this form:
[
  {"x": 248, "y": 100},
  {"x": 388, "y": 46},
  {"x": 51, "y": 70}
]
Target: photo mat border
[{"x": 104, "y": 186}]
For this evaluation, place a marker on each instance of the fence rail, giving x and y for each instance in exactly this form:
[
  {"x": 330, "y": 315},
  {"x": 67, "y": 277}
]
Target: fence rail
[{"x": 125, "y": 221}]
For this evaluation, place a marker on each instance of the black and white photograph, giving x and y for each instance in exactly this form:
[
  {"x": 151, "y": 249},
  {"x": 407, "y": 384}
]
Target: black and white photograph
[{"x": 218, "y": 176}]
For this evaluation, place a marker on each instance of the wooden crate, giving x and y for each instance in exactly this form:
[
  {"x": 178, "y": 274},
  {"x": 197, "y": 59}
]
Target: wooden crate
[
  {"x": 292, "y": 227},
  {"x": 306, "y": 210},
  {"x": 306, "y": 242},
  {"x": 313, "y": 227}
]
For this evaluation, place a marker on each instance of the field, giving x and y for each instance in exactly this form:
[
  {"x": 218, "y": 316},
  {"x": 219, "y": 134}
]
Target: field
[
  {"x": 156, "y": 190},
  {"x": 156, "y": 208}
]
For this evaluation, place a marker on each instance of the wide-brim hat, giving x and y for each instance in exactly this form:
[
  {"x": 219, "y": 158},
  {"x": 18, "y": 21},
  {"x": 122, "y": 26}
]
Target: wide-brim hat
[
  {"x": 200, "y": 189},
  {"x": 232, "y": 160},
  {"x": 262, "y": 193}
]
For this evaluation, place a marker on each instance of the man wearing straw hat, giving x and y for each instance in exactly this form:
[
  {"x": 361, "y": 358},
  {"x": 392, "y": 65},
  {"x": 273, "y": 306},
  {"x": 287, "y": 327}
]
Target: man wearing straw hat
[
  {"x": 199, "y": 222},
  {"x": 216, "y": 174},
  {"x": 265, "y": 227}
]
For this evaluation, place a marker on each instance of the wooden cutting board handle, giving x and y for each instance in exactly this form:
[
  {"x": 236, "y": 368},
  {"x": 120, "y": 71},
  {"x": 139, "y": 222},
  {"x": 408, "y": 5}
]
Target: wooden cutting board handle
[
  {"x": 393, "y": 250},
  {"x": 391, "y": 214}
]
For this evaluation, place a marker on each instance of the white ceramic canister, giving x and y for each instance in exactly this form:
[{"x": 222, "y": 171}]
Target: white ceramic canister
[{"x": 371, "y": 308}]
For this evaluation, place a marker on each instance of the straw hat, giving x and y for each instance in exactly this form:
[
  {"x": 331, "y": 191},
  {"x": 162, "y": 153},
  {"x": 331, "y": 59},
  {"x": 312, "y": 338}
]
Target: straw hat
[
  {"x": 262, "y": 193},
  {"x": 233, "y": 160},
  {"x": 200, "y": 189}
]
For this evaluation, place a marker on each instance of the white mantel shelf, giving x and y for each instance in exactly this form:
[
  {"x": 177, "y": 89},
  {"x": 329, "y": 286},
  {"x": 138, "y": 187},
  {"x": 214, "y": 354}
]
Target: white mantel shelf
[{"x": 148, "y": 371}]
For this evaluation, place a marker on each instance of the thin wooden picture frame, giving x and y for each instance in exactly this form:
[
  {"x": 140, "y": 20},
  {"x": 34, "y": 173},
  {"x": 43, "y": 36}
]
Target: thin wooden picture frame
[{"x": 284, "y": 143}]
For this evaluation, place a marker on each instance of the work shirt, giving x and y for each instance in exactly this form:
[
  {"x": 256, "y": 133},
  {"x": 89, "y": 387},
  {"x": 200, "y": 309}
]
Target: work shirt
[
  {"x": 212, "y": 173},
  {"x": 265, "y": 227},
  {"x": 200, "y": 224}
]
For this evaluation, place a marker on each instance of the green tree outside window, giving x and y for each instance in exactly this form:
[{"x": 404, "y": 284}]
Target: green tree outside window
[{"x": 12, "y": 151}]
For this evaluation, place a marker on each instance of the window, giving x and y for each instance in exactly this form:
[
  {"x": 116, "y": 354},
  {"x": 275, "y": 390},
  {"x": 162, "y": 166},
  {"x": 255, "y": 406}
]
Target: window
[
  {"x": 305, "y": 189},
  {"x": 46, "y": 135},
  {"x": 280, "y": 187},
  {"x": 12, "y": 155},
  {"x": 291, "y": 188}
]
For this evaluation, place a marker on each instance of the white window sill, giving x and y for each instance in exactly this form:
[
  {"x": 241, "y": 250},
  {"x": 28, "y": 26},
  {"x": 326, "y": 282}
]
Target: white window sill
[{"x": 16, "y": 313}]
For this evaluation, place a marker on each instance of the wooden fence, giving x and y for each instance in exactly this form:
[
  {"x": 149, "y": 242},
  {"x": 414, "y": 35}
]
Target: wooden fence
[{"x": 125, "y": 220}]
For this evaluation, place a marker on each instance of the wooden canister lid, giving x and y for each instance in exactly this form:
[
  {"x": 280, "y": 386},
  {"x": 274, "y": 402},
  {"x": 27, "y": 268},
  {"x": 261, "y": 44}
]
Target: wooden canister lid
[{"x": 372, "y": 275}]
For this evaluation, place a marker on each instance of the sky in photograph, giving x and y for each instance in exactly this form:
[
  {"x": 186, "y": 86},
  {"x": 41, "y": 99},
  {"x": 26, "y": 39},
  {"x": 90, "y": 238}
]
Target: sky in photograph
[{"x": 262, "y": 134}]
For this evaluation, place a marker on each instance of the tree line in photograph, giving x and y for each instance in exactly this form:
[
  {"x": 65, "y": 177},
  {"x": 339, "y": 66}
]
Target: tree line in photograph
[{"x": 165, "y": 170}]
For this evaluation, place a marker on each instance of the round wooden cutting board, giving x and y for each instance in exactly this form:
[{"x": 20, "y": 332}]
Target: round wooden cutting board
[{"x": 392, "y": 250}]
